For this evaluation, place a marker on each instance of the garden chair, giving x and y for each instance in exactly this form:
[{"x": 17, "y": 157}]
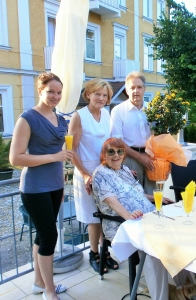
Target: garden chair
[
  {"x": 133, "y": 260},
  {"x": 181, "y": 176},
  {"x": 26, "y": 221}
]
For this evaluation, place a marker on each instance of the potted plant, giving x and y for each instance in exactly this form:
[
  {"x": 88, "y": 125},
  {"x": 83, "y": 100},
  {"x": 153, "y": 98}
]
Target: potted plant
[
  {"x": 5, "y": 170},
  {"x": 166, "y": 113}
]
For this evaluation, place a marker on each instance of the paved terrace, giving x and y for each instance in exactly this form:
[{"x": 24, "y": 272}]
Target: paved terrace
[{"x": 82, "y": 284}]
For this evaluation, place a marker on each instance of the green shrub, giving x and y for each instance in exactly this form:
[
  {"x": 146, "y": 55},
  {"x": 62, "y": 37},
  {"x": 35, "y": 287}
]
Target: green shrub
[
  {"x": 192, "y": 113},
  {"x": 4, "y": 154},
  {"x": 190, "y": 134}
]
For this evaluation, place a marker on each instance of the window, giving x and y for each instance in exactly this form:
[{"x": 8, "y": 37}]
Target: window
[
  {"x": 120, "y": 41},
  {"x": 148, "y": 61},
  {"x": 6, "y": 110},
  {"x": 3, "y": 25},
  {"x": 51, "y": 31},
  {"x": 147, "y": 10},
  {"x": 51, "y": 9},
  {"x": 159, "y": 67},
  {"x": 93, "y": 51},
  {"x": 147, "y": 98},
  {"x": 123, "y": 2},
  {"x": 118, "y": 45},
  {"x": 160, "y": 8}
]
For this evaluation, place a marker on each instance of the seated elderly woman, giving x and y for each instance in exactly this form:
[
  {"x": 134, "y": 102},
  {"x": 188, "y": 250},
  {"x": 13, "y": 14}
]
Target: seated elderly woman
[{"x": 117, "y": 192}]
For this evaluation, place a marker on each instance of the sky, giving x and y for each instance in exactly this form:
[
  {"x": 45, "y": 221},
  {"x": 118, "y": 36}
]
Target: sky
[{"x": 190, "y": 4}]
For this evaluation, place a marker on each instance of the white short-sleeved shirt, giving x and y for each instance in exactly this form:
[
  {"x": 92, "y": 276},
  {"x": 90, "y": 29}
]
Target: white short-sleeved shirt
[{"x": 129, "y": 124}]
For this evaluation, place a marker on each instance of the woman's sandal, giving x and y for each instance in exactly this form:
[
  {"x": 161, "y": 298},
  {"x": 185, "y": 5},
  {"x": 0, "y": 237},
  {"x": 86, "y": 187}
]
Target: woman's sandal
[
  {"x": 110, "y": 262},
  {"x": 94, "y": 259}
]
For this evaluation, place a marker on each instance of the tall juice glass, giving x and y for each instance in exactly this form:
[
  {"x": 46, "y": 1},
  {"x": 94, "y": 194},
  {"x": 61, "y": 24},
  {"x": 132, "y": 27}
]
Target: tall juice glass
[
  {"x": 69, "y": 143},
  {"x": 158, "y": 197},
  {"x": 187, "y": 204},
  {"x": 160, "y": 184}
]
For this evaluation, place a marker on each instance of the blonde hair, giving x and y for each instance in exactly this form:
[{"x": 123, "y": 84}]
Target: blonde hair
[
  {"x": 94, "y": 85},
  {"x": 135, "y": 74},
  {"x": 44, "y": 78}
]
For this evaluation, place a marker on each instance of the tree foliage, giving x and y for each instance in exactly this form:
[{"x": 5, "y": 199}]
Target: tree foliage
[{"x": 174, "y": 42}]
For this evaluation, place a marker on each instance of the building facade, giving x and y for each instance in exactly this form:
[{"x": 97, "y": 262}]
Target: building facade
[{"x": 116, "y": 44}]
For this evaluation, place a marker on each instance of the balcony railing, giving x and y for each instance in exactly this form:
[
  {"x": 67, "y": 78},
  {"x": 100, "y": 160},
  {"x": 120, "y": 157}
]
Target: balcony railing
[
  {"x": 16, "y": 254},
  {"x": 48, "y": 57},
  {"x": 105, "y": 8},
  {"x": 122, "y": 67}
]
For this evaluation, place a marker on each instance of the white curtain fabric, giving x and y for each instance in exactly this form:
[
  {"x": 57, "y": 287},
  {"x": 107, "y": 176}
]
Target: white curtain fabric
[{"x": 68, "y": 54}]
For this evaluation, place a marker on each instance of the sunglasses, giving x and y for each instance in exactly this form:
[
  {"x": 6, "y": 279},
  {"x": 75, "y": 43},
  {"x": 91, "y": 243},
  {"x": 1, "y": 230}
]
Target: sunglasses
[{"x": 111, "y": 152}]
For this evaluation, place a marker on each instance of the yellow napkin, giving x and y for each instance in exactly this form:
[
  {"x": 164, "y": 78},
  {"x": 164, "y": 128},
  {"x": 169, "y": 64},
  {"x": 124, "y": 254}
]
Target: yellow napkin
[
  {"x": 183, "y": 194},
  {"x": 190, "y": 187}
]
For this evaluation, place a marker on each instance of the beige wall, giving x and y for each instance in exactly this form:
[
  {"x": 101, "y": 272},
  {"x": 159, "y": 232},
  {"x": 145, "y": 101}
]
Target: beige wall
[
  {"x": 38, "y": 33},
  {"x": 11, "y": 58}
]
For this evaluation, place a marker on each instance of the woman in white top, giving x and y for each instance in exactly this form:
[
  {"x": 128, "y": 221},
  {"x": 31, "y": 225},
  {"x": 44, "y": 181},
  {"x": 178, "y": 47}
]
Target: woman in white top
[{"x": 90, "y": 127}]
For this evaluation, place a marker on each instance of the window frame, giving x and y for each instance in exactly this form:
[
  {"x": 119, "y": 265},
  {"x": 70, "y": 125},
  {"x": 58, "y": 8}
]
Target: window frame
[
  {"x": 50, "y": 43},
  {"x": 97, "y": 34},
  {"x": 159, "y": 68},
  {"x": 120, "y": 31},
  {"x": 160, "y": 9},
  {"x": 147, "y": 10},
  {"x": 51, "y": 10},
  {"x": 150, "y": 67},
  {"x": 4, "y": 43},
  {"x": 122, "y": 3},
  {"x": 148, "y": 95},
  {"x": 8, "y": 110}
]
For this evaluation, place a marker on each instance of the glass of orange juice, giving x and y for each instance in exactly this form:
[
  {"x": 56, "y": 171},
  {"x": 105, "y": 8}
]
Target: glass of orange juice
[
  {"x": 158, "y": 198},
  {"x": 187, "y": 203},
  {"x": 69, "y": 143}
]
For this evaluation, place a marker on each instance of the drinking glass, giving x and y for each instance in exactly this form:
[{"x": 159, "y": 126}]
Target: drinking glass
[
  {"x": 158, "y": 197},
  {"x": 187, "y": 204},
  {"x": 160, "y": 184},
  {"x": 69, "y": 144}
]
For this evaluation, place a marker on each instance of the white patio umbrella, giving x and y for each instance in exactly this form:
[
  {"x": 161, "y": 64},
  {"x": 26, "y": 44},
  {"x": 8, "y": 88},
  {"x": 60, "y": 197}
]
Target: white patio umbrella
[
  {"x": 68, "y": 54},
  {"x": 67, "y": 62}
]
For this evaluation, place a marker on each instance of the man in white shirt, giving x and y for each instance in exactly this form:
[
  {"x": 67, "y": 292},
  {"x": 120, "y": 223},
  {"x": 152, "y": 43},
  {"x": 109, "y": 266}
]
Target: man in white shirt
[{"x": 129, "y": 123}]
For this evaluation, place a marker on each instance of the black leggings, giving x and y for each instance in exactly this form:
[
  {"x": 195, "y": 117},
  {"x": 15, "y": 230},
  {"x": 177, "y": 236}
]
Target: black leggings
[{"x": 43, "y": 209}]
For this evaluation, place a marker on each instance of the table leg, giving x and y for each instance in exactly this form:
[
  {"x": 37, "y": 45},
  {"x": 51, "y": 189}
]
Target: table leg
[{"x": 138, "y": 275}]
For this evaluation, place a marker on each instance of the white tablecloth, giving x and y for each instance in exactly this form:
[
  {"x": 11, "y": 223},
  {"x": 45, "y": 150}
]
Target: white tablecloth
[{"x": 130, "y": 237}]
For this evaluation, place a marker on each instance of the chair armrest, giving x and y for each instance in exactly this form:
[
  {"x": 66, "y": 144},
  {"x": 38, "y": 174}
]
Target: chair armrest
[
  {"x": 173, "y": 187},
  {"x": 112, "y": 218}
]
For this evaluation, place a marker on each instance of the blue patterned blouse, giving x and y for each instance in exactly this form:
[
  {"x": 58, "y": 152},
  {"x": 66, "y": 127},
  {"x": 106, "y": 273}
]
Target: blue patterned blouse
[{"x": 121, "y": 184}]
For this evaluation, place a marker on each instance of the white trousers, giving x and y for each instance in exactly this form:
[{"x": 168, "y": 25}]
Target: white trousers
[{"x": 157, "y": 278}]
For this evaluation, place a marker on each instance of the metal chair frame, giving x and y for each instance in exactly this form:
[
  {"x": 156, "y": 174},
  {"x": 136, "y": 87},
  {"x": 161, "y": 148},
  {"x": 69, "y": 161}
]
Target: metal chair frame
[{"x": 133, "y": 260}]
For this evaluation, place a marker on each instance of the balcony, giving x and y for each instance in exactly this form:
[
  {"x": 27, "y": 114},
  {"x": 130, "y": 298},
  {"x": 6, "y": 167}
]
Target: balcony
[
  {"x": 106, "y": 8},
  {"x": 122, "y": 67},
  {"x": 48, "y": 57}
]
